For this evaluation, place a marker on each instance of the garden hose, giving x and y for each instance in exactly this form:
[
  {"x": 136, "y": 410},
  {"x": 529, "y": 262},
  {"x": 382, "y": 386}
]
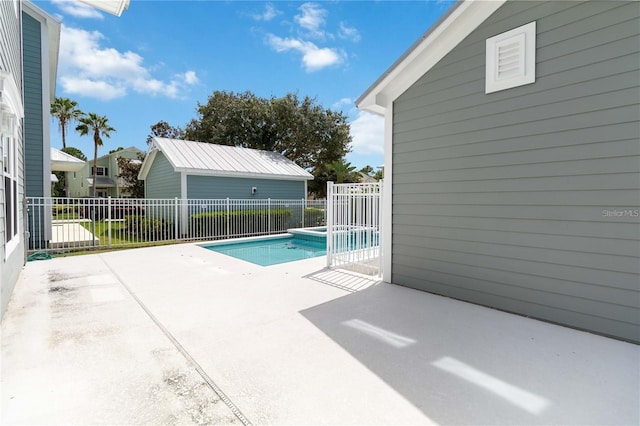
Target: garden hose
[{"x": 39, "y": 255}]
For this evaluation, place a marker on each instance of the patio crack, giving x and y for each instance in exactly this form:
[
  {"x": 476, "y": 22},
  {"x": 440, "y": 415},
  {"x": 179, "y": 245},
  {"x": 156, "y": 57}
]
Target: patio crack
[{"x": 214, "y": 387}]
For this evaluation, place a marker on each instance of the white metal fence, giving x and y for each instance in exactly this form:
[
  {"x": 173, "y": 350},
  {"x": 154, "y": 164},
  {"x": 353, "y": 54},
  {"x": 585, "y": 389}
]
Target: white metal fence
[
  {"x": 63, "y": 224},
  {"x": 353, "y": 226}
]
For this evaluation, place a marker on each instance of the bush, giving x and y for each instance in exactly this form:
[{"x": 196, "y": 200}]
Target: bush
[
  {"x": 149, "y": 229},
  {"x": 313, "y": 217},
  {"x": 241, "y": 222}
]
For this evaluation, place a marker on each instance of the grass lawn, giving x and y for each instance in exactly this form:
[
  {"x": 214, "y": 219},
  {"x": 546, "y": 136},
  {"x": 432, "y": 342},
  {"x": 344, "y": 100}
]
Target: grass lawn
[{"x": 119, "y": 234}]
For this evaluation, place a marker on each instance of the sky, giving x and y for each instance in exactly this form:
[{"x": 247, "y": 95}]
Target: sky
[{"x": 161, "y": 58}]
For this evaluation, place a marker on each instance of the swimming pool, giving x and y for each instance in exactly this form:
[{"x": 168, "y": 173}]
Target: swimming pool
[{"x": 273, "y": 251}]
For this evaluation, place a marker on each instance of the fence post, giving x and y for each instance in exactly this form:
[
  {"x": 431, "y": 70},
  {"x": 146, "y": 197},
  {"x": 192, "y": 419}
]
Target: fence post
[
  {"x": 329, "y": 222},
  {"x": 268, "y": 215},
  {"x": 109, "y": 221},
  {"x": 175, "y": 220},
  {"x": 304, "y": 210},
  {"x": 228, "y": 217}
]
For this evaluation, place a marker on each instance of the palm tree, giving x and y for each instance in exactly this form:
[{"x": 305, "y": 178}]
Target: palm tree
[
  {"x": 98, "y": 125},
  {"x": 66, "y": 111},
  {"x": 343, "y": 172}
]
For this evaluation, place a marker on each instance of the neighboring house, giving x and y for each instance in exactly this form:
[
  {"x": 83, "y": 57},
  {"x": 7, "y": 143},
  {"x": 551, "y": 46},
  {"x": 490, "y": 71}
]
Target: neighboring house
[
  {"x": 365, "y": 178},
  {"x": 80, "y": 183},
  {"x": 512, "y": 161},
  {"x": 195, "y": 170},
  {"x": 28, "y": 59},
  {"x": 63, "y": 162}
]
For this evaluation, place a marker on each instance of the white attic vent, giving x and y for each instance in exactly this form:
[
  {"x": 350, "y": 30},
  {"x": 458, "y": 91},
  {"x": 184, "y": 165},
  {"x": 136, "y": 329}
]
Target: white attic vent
[{"x": 511, "y": 59}]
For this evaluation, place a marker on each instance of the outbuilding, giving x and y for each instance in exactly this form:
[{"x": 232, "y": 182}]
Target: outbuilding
[{"x": 196, "y": 170}]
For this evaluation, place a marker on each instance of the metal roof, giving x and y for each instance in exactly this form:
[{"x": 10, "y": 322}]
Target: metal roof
[
  {"x": 102, "y": 182},
  {"x": 221, "y": 160}
]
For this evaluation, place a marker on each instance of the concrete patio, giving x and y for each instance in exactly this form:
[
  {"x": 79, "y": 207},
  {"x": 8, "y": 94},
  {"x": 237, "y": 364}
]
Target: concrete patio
[{"x": 183, "y": 335}]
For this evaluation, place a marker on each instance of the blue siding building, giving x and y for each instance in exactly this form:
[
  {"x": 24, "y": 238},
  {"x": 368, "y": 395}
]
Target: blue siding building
[{"x": 195, "y": 170}]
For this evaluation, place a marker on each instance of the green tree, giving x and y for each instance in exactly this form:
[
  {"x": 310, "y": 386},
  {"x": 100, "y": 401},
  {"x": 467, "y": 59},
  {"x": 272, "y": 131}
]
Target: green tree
[
  {"x": 343, "y": 172},
  {"x": 98, "y": 126},
  {"x": 162, "y": 129},
  {"x": 367, "y": 170},
  {"x": 65, "y": 111},
  {"x": 295, "y": 127},
  {"x": 60, "y": 186},
  {"x": 337, "y": 171},
  {"x": 129, "y": 170}
]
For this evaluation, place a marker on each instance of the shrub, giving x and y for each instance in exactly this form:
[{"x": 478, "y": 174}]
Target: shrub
[
  {"x": 313, "y": 216},
  {"x": 149, "y": 229},
  {"x": 241, "y": 222}
]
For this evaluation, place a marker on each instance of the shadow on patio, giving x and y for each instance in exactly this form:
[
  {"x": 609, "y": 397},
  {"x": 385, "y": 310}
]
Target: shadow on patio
[{"x": 465, "y": 364}]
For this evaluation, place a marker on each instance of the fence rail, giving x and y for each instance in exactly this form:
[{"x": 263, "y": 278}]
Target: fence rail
[{"x": 65, "y": 224}]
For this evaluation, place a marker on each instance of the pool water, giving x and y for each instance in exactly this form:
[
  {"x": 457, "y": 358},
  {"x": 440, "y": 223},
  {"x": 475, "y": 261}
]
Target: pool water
[{"x": 272, "y": 251}]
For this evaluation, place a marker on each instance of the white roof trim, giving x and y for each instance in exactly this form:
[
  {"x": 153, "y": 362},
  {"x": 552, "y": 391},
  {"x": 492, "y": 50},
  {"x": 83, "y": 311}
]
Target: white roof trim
[
  {"x": 115, "y": 7},
  {"x": 53, "y": 30},
  {"x": 462, "y": 19},
  {"x": 10, "y": 97}
]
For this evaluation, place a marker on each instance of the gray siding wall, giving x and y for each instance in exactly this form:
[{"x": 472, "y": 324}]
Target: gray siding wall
[
  {"x": 240, "y": 188},
  {"x": 10, "y": 61},
  {"x": 33, "y": 116},
  {"x": 162, "y": 181},
  {"x": 33, "y": 132},
  {"x": 509, "y": 199}
]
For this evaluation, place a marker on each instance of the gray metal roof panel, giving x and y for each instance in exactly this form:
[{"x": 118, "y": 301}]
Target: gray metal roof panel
[{"x": 223, "y": 160}]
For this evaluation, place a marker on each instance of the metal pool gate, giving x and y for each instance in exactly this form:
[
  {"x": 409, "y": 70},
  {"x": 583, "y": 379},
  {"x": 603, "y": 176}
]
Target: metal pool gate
[{"x": 353, "y": 227}]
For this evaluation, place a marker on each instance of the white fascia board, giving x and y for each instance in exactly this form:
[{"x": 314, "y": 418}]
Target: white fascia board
[
  {"x": 204, "y": 172},
  {"x": 115, "y": 7},
  {"x": 50, "y": 39},
  {"x": 422, "y": 57},
  {"x": 10, "y": 95},
  {"x": 146, "y": 164}
]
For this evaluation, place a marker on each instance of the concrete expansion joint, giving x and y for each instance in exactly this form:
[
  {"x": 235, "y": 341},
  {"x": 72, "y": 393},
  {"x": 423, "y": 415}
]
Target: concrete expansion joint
[{"x": 214, "y": 387}]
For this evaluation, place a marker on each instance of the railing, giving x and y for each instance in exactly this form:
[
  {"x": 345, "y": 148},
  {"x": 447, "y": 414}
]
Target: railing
[
  {"x": 353, "y": 227},
  {"x": 64, "y": 224}
]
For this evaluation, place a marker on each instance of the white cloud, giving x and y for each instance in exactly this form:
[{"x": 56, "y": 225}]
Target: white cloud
[
  {"x": 89, "y": 69},
  {"x": 367, "y": 131},
  {"x": 348, "y": 33},
  {"x": 97, "y": 89},
  {"x": 268, "y": 14},
  {"x": 312, "y": 18},
  {"x": 77, "y": 9},
  {"x": 314, "y": 58},
  {"x": 189, "y": 77},
  {"x": 342, "y": 102}
]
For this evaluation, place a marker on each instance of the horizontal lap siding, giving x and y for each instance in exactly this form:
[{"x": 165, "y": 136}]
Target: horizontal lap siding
[
  {"x": 33, "y": 128},
  {"x": 162, "y": 181},
  {"x": 204, "y": 187},
  {"x": 10, "y": 61},
  {"x": 510, "y": 199}
]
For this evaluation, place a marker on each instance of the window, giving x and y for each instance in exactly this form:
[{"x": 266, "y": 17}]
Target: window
[
  {"x": 102, "y": 171},
  {"x": 511, "y": 59},
  {"x": 9, "y": 179}
]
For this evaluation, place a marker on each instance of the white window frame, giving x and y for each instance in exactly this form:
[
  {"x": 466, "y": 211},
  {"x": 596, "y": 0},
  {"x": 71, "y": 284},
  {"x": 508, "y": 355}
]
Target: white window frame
[
  {"x": 101, "y": 171},
  {"x": 523, "y": 71},
  {"x": 9, "y": 141}
]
